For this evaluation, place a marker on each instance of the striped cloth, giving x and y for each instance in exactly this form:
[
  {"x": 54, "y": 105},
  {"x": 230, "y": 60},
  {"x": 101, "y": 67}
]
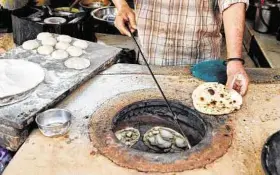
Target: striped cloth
[{"x": 180, "y": 32}]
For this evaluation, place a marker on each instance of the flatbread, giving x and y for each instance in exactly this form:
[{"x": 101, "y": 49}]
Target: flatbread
[
  {"x": 18, "y": 76},
  {"x": 216, "y": 99}
]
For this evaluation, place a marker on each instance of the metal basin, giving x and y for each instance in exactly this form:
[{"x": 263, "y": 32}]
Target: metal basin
[
  {"x": 106, "y": 14},
  {"x": 54, "y": 122},
  {"x": 94, "y": 5}
]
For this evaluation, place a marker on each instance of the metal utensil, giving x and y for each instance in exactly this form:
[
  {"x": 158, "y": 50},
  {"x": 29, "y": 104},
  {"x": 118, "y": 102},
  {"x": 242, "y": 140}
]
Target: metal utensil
[
  {"x": 54, "y": 122},
  {"x": 161, "y": 91},
  {"x": 49, "y": 10},
  {"x": 75, "y": 20},
  {"x": 73, "y": 4}
]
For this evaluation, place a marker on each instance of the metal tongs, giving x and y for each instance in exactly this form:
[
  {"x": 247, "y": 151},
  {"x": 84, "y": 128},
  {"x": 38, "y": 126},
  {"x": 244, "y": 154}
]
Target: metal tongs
[{"x": 164, "y": 97}]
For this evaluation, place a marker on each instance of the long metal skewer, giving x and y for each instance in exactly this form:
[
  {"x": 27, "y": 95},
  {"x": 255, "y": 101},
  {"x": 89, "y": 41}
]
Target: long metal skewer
[{"x": 164, "y": 97}]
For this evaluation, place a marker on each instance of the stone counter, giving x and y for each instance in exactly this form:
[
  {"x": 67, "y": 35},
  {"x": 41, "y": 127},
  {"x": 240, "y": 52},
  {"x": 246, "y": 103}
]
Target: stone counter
[{"x": 74, "y": 153}]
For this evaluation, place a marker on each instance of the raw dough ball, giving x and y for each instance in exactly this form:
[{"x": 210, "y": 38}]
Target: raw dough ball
[
  {"x": 43, "y": 35},
  {"x": 81, "y": 44},
  {"x": 64, "y": 38},
  {"x": 62, "y": 45},
  {"x": 74, "y": 51},
  {"x": 59, "y": 54},
  {"x": 45, "y": 50},
  {"x": 30, "y": 45},
  {"x": 77, "y": 63},
  {"x": 49, "y": 41}
]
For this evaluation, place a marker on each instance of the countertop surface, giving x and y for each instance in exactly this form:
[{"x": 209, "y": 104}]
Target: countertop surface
[
  {"x": 74, "y": 153},
  {"x": 268, "y": 44}
]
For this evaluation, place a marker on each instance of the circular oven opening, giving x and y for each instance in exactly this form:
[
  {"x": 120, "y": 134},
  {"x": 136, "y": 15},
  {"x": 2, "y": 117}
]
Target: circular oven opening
[
  {"x": 210, "y": 136},
  {"x": 152, "y": 124}
]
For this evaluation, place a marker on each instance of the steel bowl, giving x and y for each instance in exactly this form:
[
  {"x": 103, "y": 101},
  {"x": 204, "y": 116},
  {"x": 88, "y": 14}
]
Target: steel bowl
[
  {"x": 105, "y": 14},
  {"x": 93, "y": 5},
  {"x": 55, "y": 20},
  {"x": 54, "y": 122}
]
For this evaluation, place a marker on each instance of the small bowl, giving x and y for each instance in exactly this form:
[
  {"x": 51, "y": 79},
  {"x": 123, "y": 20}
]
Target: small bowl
[
  {"x": 54, "y": 122},
  {"x": 105, "y": 14}
]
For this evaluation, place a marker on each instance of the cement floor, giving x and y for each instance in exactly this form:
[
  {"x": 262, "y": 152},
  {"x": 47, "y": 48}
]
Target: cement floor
[{"x": 73, "y": 154}]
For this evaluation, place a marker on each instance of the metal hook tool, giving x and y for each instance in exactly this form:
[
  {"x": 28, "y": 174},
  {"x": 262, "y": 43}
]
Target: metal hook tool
[{"x": 164, "y": 97}]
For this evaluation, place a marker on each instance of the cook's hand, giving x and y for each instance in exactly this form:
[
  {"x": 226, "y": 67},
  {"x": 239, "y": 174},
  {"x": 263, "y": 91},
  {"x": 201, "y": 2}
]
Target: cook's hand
[
  {"x": 237, "y": 77},
  {"x": 125, "y": 15}
]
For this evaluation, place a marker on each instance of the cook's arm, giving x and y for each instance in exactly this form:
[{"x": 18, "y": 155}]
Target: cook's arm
[
  {"x": 234, "y": 23},
  {"x": 125, "y": 15}
]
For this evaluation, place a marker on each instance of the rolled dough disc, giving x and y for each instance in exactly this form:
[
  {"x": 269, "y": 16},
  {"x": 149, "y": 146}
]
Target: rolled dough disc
[
  {"x": 43, "y": 35},
  {"x": 81, "y": 44},
  {"x": 64, "y": 38},
  {"x": 30, "y": 45},
  {"x": 45, "y": 50},
  {"x": 215, "y": 99},
  {"x": 18, "y": 76},
  {"x": 74, "y": 51},
  {"x": 49, "y": 41},
  {"x": 77, "y": 63},
  {"x": 62, "y": 45},
  {"x": 59, "y": 54}
]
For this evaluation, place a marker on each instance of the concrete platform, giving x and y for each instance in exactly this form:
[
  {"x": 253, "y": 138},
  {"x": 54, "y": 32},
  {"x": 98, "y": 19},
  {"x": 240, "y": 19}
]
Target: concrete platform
[{"x": 73, "y": 154}]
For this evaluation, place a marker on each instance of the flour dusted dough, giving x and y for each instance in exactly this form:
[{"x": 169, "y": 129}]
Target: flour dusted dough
[
  {"x": 18, "y": 76},
  {"x": 77, "y": 63},
  {"x": 64, "y": 38},
  {"x": 62, "y": 45},
  {"x": 74, "y": 51},
  {"x": 43, "y": 35},
  {"x": 30, "y": 45},
  {"x": 45, "y": 50},
  {"x": 81, "y": 44},
  {"x": 59, "y": 54},
  {"x": 49, "y": 41},
  {"x": 216, "y": 99}
]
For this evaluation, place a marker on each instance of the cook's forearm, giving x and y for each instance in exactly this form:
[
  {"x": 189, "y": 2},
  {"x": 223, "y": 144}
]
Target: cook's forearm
[
  {"x": 234, "y": 23},
  {"x": 120, "y": 3}
]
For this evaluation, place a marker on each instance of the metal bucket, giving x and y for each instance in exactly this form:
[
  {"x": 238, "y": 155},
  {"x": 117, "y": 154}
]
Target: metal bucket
[{"x": 265, "y": 19}]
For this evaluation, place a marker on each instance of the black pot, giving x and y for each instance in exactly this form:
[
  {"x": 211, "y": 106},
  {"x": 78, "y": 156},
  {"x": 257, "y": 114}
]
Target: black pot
[
  {"x": 25, "y": 29},
  {"x": 271, "y": 155}
]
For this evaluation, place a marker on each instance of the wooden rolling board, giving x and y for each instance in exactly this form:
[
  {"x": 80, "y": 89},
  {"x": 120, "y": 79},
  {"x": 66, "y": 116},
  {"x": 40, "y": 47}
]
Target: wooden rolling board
[{"x": 59, "y": 82}]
